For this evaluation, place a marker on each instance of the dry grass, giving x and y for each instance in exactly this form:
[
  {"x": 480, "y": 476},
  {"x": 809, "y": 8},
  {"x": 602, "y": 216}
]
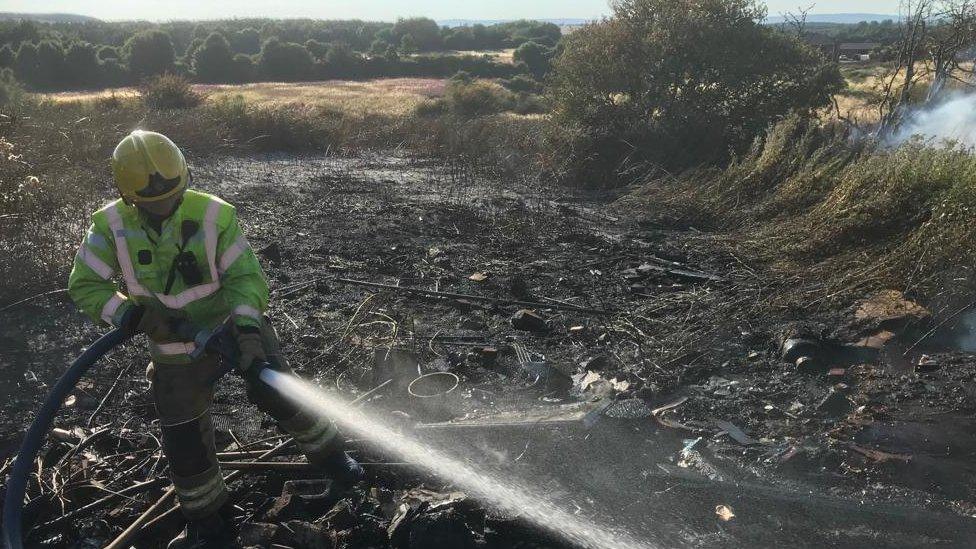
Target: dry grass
[
  {"x": 89, "y": 95},
  {"x": 865, "y": 89},
  {"x": 840, "y": 216},
  {"x": 388, "y": 96}
]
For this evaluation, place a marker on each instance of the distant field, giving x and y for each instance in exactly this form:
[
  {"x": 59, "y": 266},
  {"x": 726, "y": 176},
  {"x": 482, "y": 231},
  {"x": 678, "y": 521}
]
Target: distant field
[
  {"x": 501, "y": 56},
  {"x": 385, "y": 96},
  {"x": 392, "y": 96}
]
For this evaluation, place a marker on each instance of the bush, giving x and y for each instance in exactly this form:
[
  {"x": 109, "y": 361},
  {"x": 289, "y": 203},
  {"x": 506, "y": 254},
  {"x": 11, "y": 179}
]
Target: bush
[
  {"x": 535, "y": 56},
  {"x": 431, "y": 108},
  {"x": 286, "y": 61},
  {"x": 169, "y": 91},
  {"x": 243, "y": 70},
  {"x": 108, "y": 52},
  {"x": 529, "y": 103},
  {"x": 50, "y": 72},
  {"x": 677, "y": 83},
  {"x": 149, "y": 53},
  {"x": 522, "y": 84},
  {"x": 475, "y": 98},
  {"x": 7, "y": 57},
  {"x": 292, "y": 127},
  {"x": 81, "y": 65},
  {"x": 11, "y": 92},
  {"x": 25, "y": 65},
  {"x": 424, "y": 33},
  {"x": 213, "y": 61}
]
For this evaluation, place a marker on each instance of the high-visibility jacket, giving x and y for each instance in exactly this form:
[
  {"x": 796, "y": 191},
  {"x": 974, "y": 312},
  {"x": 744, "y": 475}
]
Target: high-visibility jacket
[{"x": 227, "y": 281}]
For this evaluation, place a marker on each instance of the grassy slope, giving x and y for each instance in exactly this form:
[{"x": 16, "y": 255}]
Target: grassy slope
[{"x": 839, "y": 216}]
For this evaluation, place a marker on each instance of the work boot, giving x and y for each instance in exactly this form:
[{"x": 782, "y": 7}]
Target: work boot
[
  {"x": 208, "y": 533},
  {"x": 342, "y": 469}
]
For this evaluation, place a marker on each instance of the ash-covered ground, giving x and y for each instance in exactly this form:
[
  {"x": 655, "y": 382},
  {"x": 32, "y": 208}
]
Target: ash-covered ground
[{"x": 639, "y": 377}]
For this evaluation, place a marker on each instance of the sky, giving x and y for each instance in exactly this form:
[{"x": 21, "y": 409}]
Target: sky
[{"x": 381, "y": 10}]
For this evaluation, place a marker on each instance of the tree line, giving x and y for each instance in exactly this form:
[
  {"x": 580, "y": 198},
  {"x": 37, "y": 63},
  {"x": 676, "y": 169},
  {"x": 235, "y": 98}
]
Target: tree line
[{"x": 52, "y": 56}]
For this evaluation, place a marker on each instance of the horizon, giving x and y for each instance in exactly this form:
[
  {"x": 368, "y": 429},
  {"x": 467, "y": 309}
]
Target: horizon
[{"x": 386, "y": 10}]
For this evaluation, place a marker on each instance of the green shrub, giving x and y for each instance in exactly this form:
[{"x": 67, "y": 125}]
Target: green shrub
[
  {"x": 277, "y": 127},
  {"x": 286, "y": 61},
  {"x": 431, "y": 108},
  {"x": 535, "y": 56},
  {"x": 522, "y": 84},
  {"x": 677, "y": 84},
  {"x": 149, "y": 53},
  {"x": 170, "y": 91},
  {"x": 213, "y": 60},
  {"x": 469, "y": 99},
  {"x": 11, "y": 92},
  {"x": 529, "y": 103}
]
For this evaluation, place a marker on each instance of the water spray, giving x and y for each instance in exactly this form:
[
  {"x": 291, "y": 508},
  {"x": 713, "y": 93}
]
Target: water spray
[{"x": 489, "y": 488}]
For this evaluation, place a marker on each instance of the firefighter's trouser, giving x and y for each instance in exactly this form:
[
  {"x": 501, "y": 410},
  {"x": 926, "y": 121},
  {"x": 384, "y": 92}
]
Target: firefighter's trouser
[{"x": 183, "y": 394}]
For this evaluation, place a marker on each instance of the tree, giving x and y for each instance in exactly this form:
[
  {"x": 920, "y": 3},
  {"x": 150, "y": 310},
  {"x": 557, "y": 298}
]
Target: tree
[
  {"x": 23, "y": 31},
  {"x": 425, "y": 33},
  {"x": 108, "y": 52},
  {"x": 535, "y": 56},
  {"x": 678, "y": 83},
  {"x": 81, "y": 64},
  {"x": 25, "y": 66},
  {"x": 379, "y": 47},
  {"x": 385, "y": 34},
  {"x": 246, "y": 41},
  {"x": 149, "y": 53},
  {"x": 7, "y": 57},
  {"x": 192, "y": 49},
  {"x": 341, "y": 61},
  {"x": 459, "y": 39},
  {"x": 316, "y": 48},
  {"x": 523, "y": 31},
  {"x": 408, "y": 44},
  {"x": 243, "y": 68},
  {"x": 214, "y": 61},
  {"x": 285, "y": 61},
  {"x": 50, "y": 65}
]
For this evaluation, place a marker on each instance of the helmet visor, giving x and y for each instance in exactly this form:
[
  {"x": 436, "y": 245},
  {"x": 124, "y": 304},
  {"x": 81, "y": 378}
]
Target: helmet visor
[{"x": 159, "y": 186}]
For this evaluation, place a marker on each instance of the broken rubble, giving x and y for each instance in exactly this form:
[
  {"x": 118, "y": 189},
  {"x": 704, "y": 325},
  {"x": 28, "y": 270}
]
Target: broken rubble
[
  {"x": 595, "y": 385},
  {"x": 927, "y": 364},
  {"x": 890, "y": 310},
  {"x": 529, "y": 321},
  {"x": 284, "y": 508},
  {"x": 596, "y": 363},
  {"x": 259, "y": 534},
  {"x": 836, "y": 404},
  {"x": 311, "y": 536}
]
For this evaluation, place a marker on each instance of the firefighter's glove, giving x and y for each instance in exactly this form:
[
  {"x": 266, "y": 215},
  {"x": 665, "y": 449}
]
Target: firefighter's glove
[
  {"x": 250, "y": 347},
  {"x": 157, "y": 325}
]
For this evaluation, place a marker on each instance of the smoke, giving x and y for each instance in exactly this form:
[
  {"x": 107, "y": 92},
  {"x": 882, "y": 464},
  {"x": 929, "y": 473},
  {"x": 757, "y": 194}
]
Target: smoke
[{"x": 952, "y": 120}]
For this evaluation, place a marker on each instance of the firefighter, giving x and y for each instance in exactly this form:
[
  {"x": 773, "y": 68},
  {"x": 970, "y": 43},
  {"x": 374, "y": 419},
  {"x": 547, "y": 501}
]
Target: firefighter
[{"x": 183, "y": 258}]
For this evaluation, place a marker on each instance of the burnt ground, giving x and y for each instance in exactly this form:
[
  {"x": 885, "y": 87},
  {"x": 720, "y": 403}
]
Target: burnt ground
[{"x": 557, "y": 402}]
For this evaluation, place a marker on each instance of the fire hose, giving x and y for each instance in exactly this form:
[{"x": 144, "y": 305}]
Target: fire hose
[{"x": 13, "y": 504}]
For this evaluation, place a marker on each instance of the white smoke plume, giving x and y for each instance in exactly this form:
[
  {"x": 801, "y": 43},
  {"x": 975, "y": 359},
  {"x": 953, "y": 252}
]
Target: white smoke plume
[{"x": 951, "y": 120}]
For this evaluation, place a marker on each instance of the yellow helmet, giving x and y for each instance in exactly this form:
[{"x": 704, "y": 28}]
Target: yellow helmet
[{"x": 148, "y": 167}]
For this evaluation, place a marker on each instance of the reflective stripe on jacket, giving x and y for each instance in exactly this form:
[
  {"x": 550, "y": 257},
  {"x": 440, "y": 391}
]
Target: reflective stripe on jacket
[{"x": 121, "y": 245}]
